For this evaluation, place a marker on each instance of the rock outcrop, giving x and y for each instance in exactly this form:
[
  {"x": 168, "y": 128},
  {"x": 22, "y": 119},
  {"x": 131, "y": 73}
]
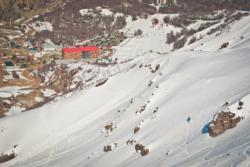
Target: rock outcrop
[
  {"x": 223, "y": 122},
  {"x": 141, "y": 148},
  {"x": 7, "y": 157},
  {"x": 62, "y": 80}
]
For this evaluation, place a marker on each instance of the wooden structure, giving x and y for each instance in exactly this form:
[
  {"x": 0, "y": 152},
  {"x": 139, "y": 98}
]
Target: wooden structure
[{"x": 87, "y": 52}]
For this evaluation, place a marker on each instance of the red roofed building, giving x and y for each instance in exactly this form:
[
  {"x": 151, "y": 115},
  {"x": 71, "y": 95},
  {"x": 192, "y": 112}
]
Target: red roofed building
[{"x": 87, "y": 52}]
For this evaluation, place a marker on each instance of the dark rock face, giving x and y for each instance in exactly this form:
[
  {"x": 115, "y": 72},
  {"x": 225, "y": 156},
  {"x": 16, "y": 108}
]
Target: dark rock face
[
  {"x": 136, "y": 130},
  {"x": 223, "y": 122},
  {"x": 6, "y": 157},
  {"x": 107, "y": 148},
  {"x": 141, "y": 148}
]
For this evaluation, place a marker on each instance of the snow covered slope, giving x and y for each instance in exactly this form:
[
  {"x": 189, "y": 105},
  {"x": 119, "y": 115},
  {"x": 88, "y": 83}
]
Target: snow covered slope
[{"x": 169, "y": 96}]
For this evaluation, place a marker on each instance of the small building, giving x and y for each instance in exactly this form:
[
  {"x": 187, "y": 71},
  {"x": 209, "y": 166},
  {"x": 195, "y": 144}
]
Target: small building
[
  {"x": 1, "y": 54},
  {"x": 9, "y": 63},
  {"x": 87, "y": 52},
  {"x": 49, "y": 47}
]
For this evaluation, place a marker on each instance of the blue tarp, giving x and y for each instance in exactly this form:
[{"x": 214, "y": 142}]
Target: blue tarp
[
  {"x": 8, "y": 63},
  {"x": 205, "y": 129}
]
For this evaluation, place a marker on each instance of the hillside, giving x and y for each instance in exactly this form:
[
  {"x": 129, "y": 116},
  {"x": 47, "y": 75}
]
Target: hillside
[
  {"x": 14, "y": 9},
  {"x": 28, "y": 16},
  {"x": 155, "y": 107}
]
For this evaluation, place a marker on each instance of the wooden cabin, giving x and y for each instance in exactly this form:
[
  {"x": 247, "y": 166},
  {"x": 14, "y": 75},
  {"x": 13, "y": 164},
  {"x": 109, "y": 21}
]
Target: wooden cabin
[{"x": 87, "y": 52}]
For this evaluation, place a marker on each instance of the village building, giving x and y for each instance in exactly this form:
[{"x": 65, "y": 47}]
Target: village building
[
  {"x": 165, "y": 2},
  {"x": 48, "y": 47},
  {"x": 87, "y": 52}
]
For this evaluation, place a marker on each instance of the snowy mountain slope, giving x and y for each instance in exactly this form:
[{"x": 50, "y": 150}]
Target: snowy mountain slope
[
  {"x": 235, "y": 34},
  {"x": 152, "y": 38},
  {"x": 189, "y": 85}
]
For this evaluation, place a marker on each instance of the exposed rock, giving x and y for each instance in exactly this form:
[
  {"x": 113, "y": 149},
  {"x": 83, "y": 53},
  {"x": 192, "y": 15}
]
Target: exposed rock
[
  {"x": 226, "y": 104},
  {"x": 141, "y": 148},
  {"x": 7, "y": 157},
  {"x": 62, "y": 79},
  {"x": 136, "y": 130},
  {"x": 109, "y": 127},
  {"x": 107, "y": 148},
  {"x": 142, "y": 108},
  {"x": 156, "y": 110},
  {"x": 150, "y": 83},
  {"x": 240, "y": 105},
  {"x": 156, "y": 68},
  {"x": 101, "y": 83},
  {"x": 224, "y": 45},
  {"x": 223, "y": 122},
  {"x": 144, "y": 152},
  {"x": 131, "y": 142}
]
